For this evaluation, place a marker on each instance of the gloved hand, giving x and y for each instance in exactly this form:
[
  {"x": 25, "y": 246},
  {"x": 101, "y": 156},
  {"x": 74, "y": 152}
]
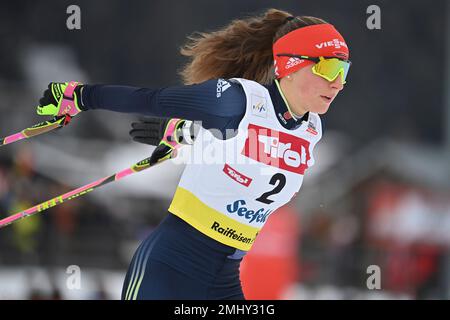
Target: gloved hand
[
  {"x": 167, "y": 134},
  {"x": 60, "y": 99},
  {"x": 149, "y": 130}
]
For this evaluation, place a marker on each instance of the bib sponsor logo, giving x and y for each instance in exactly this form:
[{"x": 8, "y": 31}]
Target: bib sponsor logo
[
  {"x": 238, "y": 207},
  {"x": 277, "y": 149},
  {"x": 232, "y": 234},
  {"x": 236, "y": 176},
  {"x": 311, "y": 129},
  {"x": 259, "y": 107}
]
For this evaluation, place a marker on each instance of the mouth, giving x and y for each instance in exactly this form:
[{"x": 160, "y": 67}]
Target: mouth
[{"x": 327, "y": 99}]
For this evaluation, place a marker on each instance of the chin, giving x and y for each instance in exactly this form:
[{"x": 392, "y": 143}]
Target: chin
[{"x": 322, "y": 109}]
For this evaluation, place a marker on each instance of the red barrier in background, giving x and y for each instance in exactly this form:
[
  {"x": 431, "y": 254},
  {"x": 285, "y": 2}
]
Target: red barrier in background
[{"x": 272, "y": 265}]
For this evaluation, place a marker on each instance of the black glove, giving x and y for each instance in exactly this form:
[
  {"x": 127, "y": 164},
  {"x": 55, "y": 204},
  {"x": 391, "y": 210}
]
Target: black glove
[
  {"x": 155, "y": 131},
  {"x": 149, "y": 130}
]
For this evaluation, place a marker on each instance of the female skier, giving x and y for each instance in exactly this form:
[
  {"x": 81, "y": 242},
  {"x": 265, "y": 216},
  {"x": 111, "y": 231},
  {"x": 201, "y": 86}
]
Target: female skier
[{"x": 267, "y": 78}]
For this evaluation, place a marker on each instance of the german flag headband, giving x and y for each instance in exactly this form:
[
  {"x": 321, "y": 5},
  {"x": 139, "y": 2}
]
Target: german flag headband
[{"x": 320, "y": 40}]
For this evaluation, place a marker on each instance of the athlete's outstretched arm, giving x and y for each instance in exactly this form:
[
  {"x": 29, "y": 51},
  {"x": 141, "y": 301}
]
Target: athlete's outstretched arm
[{"x": 217, "y": 103}]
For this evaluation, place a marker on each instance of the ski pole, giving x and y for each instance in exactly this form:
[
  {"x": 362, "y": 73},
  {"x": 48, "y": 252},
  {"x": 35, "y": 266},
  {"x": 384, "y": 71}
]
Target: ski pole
[
  {"x": 37, "y": 129},
  {"x": 140, "y": 166}
]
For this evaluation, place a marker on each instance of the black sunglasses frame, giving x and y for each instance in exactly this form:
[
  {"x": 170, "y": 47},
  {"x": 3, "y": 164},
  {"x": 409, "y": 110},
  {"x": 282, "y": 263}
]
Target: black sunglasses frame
[{"x": 315, "y": 59}]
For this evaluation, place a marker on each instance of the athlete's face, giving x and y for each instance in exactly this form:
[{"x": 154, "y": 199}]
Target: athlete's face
[{"x": 306, "y": 91}]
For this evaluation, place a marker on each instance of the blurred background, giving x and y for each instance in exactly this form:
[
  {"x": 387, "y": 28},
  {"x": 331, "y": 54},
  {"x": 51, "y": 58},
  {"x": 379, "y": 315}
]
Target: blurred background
[{"x": 379, "y": 194}]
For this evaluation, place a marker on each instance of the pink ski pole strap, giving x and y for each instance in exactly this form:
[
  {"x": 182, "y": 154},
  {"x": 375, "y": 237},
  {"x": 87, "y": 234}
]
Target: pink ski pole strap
[
  {"x": 170, "y": 134},
  {"x": 68, "y": 103}
]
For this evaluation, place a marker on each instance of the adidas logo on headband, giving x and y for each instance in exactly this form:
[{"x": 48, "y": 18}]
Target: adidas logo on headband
[{"x": 292, "y": 62}]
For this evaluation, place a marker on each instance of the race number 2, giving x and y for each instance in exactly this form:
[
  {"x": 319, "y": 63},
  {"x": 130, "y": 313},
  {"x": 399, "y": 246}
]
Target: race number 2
[{"x": 277, "y": 179}]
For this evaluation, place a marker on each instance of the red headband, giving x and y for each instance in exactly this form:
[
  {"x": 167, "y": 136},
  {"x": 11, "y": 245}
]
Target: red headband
[{"x": 320, "y": 40}]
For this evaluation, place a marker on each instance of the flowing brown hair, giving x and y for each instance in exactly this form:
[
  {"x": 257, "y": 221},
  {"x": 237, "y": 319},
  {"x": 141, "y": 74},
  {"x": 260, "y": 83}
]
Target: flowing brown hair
[{"x": 242, "y": 49}]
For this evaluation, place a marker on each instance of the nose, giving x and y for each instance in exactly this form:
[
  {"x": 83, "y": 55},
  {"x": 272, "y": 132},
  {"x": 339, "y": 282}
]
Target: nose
[{"x": 337, "y": 83}]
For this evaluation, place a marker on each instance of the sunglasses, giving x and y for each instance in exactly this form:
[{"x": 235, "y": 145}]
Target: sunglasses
[{"x": 326, "y": 67}]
